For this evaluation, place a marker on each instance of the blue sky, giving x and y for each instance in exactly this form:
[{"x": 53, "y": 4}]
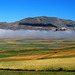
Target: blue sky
[{"x": 14, "y": 10}]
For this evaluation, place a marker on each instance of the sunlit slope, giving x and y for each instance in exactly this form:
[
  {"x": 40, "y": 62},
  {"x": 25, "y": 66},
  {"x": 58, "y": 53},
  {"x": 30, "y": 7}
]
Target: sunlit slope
[{"x": 46, "y": 64}]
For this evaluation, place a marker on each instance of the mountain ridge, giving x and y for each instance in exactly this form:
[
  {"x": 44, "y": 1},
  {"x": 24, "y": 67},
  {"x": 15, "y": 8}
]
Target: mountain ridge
[{"x": 39, "y": 23}]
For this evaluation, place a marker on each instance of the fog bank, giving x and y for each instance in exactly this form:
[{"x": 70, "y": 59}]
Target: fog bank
[{"x": 36, "y": 34}]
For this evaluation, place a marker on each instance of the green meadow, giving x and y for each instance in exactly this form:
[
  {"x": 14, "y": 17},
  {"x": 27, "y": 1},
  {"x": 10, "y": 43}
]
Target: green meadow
[
  {"x": 34, "y": 73},
  {"x": 37, "y": 56}
]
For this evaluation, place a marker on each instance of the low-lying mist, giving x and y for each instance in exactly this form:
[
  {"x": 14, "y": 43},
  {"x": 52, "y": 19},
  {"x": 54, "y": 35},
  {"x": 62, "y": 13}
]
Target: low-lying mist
[{"x": 36, "y": 34}]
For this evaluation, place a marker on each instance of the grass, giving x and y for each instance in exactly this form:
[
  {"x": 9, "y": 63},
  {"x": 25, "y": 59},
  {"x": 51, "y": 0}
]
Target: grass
[
  {"x": 6, "y": 55},
  {"x": 14, "y": 44},
  {"x": 45, "y": 53},
  {"x": 34, "y": 73},
  {"x": 39, "y": 55},
  {"x": 65, "y": 64}
]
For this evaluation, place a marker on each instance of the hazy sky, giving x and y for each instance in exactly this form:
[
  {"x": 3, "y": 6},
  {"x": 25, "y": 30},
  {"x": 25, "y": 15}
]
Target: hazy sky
[{"x": 14, "y": 10}]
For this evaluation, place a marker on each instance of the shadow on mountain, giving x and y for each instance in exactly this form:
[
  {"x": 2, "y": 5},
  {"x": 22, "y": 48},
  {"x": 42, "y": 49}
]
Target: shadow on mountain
[{"x": 38, "y": 25}]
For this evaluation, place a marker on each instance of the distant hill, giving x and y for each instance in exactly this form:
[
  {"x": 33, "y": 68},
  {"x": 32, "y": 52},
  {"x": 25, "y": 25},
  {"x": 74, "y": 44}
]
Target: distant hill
[{"x": 39, "y": 23}]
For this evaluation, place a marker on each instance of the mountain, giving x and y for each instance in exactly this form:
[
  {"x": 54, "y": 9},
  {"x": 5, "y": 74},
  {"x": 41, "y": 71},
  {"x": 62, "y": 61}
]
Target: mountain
[{"x": 39, "y": 23}]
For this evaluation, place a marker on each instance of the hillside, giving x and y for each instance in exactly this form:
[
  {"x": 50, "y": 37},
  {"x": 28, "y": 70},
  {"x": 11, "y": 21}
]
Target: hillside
[{"x": 39, "y": 23}]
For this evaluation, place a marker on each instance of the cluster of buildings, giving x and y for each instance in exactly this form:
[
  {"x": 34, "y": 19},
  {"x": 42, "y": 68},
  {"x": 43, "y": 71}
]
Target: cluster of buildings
[{"x": 59, "y": 29}]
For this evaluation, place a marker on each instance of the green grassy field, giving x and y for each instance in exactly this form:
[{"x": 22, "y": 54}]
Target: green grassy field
[
  {"x": 34, "y": 73},
  {"x": 59, "y": 64},
  {"x": 23, "y": 44},
  {"x": 9, "y": 48},
  {"x": 37, "y": 55}
]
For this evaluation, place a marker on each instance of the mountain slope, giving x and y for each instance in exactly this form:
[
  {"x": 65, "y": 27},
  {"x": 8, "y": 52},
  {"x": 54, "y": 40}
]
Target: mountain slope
[{"x": 39, "y": 23}]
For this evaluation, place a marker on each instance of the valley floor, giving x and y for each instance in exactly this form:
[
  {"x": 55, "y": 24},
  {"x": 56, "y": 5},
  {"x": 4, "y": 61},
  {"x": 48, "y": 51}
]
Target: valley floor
[
  {"x": 37, "y": 56},
  {"x": 34, "y": 73}
]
